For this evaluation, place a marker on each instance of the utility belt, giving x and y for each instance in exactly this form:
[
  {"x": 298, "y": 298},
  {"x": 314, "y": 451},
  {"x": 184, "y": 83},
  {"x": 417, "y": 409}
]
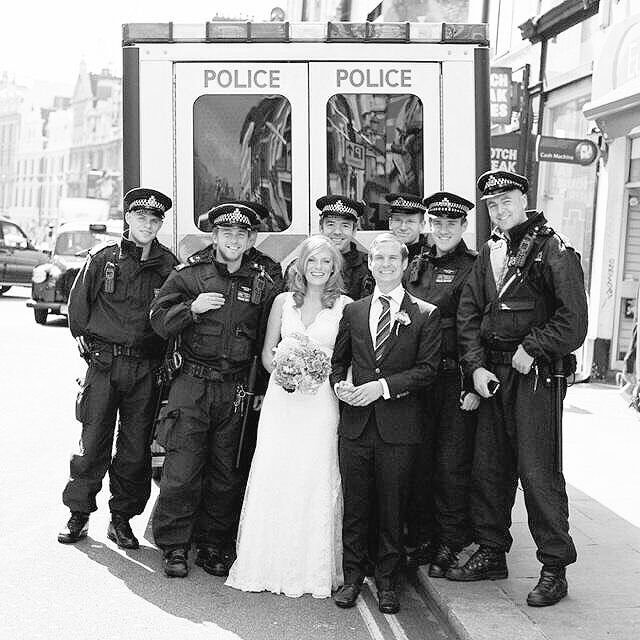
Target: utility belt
[
  {"x": 569, "y": 362},
  {"x": 123, "y": 350},
  {"x": 212, "y": 374}
]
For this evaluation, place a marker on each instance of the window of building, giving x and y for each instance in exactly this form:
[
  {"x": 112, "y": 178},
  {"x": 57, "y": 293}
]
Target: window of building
[
  {"x": 374, "y": 147},
  {"x": 570, "y": 53},
  {"x": 566, "y": 192},
  {"x": 242, "y": 151}
]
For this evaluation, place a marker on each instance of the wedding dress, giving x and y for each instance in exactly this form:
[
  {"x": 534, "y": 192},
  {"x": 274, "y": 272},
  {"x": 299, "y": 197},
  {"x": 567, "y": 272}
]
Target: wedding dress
[{"x": 290, "y": 535}]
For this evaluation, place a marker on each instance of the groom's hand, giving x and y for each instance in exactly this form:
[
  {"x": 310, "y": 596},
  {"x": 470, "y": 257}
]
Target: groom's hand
[{"x": 366, "y": 393}]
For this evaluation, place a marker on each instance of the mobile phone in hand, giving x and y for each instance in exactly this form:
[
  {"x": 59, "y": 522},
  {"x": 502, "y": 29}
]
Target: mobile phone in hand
[{"x": 493, "y": 386}]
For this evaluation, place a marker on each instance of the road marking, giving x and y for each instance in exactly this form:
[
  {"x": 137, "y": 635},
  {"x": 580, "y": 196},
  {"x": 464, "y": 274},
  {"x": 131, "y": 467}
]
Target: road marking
[
  {"x": 392, "y": 620},
  {"x": 369, "y": 620}
]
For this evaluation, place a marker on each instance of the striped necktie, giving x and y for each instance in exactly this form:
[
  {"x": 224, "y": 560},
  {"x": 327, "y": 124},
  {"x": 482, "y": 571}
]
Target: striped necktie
[{"x": 384, "y": 326}]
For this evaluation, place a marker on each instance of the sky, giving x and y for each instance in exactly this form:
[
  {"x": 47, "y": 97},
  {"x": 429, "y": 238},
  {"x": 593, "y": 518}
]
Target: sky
[{"x": 46, "y": 41}]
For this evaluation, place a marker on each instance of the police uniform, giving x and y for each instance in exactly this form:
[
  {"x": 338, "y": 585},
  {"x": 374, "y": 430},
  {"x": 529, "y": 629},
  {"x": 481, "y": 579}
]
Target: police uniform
[
  {"x": 526, "y": 288},
  {"x": 200, "y": 426},
  {"x": 109, "y": 310},
  {"x": 358, "y": 281},
  {"x": 409, "y": 203},
  {"x": 438, "y": 508}
]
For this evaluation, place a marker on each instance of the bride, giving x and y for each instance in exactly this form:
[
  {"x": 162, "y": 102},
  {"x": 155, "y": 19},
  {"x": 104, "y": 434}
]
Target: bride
[{"x": 290, "y": 535}]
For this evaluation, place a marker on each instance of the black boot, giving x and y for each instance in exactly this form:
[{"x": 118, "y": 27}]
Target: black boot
[
  {"x": 174, "y": 563},
  {"x": 204, "y": 554},
  {"x": 485, "y": 564},
  {"x": 551, "y": 587},
  {"x": 444, "y": 559},
  {"x": 218, "y": 563},
  {"x": 119, "y": 531},
  {"x": 77, "y": 528},
  {"x": 422, "y": 554}
]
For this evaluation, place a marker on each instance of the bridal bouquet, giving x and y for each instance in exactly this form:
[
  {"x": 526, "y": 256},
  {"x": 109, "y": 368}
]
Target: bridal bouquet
[{"x": 300, "y": 365}]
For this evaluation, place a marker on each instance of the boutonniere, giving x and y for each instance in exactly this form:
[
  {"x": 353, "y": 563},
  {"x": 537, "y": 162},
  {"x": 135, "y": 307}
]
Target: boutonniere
[{"x": 401, "y": 318}]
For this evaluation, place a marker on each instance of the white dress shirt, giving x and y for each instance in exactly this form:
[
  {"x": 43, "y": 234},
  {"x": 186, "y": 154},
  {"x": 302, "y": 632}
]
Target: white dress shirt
[{"x": 395, "y": 300}]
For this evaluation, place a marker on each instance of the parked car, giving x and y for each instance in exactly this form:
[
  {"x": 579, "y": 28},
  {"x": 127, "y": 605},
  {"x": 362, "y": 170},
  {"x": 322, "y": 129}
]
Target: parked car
[
  {"x": 18, "y": 256},
  {"x": 51, "y": 281}
]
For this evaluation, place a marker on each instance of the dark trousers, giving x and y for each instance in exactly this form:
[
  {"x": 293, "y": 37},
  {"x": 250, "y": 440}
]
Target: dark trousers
[
  {"x": 200, "y": 484},
  {"x": 515, "y": 439},
  {"x": 373, "y": 471},
  {"x": 125, "y": 388}
]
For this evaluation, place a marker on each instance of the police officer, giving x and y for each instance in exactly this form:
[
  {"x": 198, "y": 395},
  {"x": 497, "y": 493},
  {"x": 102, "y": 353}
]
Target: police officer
[
  {"x": 521, "y": 312},
  {"x": 273, "y": 268},
  {"x": 218, "y": 304},
  {"x": 109, "y": 315},
  {"x": 406, "y": 221},
  {"x": 442, "y": 474},
  {"x": 338, "y": 221}
]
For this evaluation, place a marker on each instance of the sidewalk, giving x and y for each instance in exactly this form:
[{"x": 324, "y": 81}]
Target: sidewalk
[{"x": 604, "y": 584}]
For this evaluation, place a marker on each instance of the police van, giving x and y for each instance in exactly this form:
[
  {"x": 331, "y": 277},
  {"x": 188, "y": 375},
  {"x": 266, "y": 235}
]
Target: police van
[{"x": 283, "y": 113}]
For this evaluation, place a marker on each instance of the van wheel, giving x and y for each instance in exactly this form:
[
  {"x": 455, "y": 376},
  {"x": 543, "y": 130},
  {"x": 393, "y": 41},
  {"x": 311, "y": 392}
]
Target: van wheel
[
  {"x": 41, "y": 315},
  {"x": 4, "y": 290}
]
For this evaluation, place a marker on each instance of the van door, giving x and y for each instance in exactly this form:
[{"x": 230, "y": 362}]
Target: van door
[
  {"x": 380, "y": 132},
  {"x": 242, "y": 134}
]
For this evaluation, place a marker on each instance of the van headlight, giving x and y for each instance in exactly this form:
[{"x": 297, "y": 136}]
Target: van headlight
[{"x": 44, "y": 271}]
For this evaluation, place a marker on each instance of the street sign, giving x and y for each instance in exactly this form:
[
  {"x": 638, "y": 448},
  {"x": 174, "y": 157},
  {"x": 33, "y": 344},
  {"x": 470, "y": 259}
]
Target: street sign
[
  {"x": 354, "y": 156},
  {"x": 567, "y": 150},
  {"x": 500, "y": 95}
]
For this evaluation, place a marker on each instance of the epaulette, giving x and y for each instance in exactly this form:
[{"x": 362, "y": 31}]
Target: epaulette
[
  {"x": 181, "y": 266},
  {"x": 101, "y": 247}
]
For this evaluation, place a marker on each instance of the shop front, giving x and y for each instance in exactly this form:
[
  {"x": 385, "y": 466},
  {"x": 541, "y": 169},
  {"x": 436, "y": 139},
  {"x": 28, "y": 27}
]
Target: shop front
[{"x": 615, "y": 107}]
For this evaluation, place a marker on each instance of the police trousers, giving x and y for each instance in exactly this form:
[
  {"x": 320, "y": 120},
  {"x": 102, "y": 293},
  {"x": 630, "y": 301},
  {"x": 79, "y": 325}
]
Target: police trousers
[
  {"x": 515, "y": 439},
  {"x": 114, "y": 387},
  {"x": 439, "y": 503},
  {"x": 200, "y": 430}
]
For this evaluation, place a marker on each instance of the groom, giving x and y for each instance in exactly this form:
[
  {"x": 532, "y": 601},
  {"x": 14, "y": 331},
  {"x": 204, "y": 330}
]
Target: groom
[{"x": 392, "y": 342}]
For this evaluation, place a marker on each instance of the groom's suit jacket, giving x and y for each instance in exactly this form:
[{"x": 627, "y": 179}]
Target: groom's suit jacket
[{"x": 409, "y": 365}]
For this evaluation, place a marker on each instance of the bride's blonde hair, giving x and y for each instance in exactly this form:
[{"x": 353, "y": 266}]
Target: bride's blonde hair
[{"x": 297, "y": 280}]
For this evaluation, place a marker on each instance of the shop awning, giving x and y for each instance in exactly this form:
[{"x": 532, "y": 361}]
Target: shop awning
[{"x": 615, "y": 94}]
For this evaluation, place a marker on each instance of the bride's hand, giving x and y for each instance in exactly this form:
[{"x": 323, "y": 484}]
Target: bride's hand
[
  {"x": 344, "y": 391},
  {"x": 367, "y": 393}
]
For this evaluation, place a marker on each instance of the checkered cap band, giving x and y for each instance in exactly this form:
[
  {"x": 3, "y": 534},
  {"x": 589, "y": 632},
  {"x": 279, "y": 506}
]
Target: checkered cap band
[
  {"x": 408, "y": 204},
  {"x": 447, "y": 206},
  {"x": 147, "y": 203},
  {"x": 501, "y": 182},
  {"x": 235, "y": 217},
  {"x": 340, "y": 208}
]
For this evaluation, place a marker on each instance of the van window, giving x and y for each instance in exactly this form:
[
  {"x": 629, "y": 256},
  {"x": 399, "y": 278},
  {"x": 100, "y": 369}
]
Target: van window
[
  {"x": 374, "y": 147},
  {"x": 242, "y": 151}
]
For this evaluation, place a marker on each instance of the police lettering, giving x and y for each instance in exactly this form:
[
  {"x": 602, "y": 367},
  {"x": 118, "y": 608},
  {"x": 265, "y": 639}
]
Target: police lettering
[
  {"x": 243, "y": 78},
  {"x": 372, "y": 78}
]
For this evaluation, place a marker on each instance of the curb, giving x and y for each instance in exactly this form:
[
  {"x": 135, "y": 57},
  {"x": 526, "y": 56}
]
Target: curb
[{"x": 479, "y": 610}]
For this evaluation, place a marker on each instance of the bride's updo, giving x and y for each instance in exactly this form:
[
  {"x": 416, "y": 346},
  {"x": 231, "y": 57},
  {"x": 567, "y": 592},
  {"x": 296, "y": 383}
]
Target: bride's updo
[{"x": 297, "y": 281}]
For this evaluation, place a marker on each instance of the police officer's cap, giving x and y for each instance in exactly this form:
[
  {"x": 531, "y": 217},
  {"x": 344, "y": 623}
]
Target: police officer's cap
[
  {"x": 405, "y": 203},
  {"x": 148, "y": 199},
  {"x": 493, "y": 183},
  {"x": 204, "y": 223},
  {"x": 443, "y": 204},
  {"x": 233, "y": 214},
  {"x": 340, "y": 206}
]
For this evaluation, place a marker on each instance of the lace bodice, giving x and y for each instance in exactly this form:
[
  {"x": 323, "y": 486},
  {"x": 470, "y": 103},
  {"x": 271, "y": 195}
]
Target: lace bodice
[{"x": 323, "y": 330}]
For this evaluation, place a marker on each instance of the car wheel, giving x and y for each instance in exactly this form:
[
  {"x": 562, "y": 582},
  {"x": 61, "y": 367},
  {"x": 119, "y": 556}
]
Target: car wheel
[
  {"x": 4, "y": 290},
  {"x": 41, "y": 315}
]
